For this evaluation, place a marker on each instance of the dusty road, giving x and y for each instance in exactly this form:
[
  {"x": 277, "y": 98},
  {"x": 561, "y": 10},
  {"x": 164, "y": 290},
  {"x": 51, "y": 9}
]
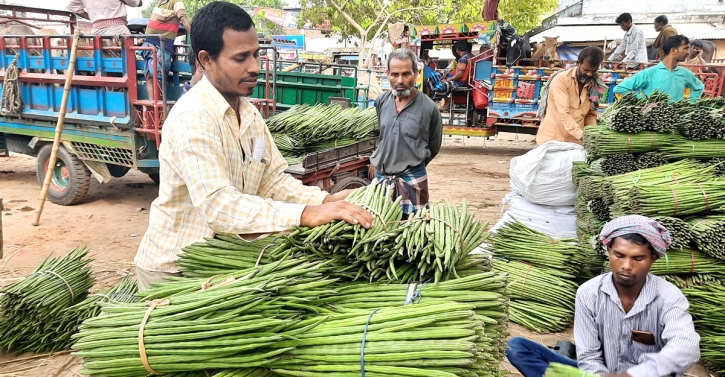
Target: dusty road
[{"x": 112, "y": 219}]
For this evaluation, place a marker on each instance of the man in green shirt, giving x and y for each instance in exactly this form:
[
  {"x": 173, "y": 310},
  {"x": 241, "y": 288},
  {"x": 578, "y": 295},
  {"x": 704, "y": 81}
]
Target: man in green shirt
[{"x": 666, "y": 76}]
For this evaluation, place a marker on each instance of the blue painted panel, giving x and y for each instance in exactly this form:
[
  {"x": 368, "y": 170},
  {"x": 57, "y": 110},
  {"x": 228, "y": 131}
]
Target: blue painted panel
[
  {"x": 58, "y": 98},
  {"x": 59, "y": 63},
  {"x": 147, "y": 163},
  {"x": 88, "y": 102},
  {"x": 40, "y": 97},
  {"x": 180, "y": 67},
  {"x": 112, "y": 64},
  {"x": 483, "y": 71},
  {"x": 70, "y": 130},
  {"x": 36, "y": 62},
  {"x": 86, "y": 64},
  {"x": 115, "y": 103}
]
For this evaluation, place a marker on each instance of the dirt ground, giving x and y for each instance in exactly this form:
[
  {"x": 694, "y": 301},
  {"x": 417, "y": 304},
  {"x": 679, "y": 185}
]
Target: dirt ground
[{"x": 112, "y": 219}]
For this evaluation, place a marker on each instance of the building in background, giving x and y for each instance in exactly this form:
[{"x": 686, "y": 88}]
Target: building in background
[{"x": 591, "y": 23}]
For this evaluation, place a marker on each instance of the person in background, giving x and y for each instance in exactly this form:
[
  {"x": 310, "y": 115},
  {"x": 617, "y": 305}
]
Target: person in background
[
  {"x": 411, "y": 133},
  {"x": 490, "y": 10},
  {"x": 196, "y": 71},
  {"x": 431, "y": 78},
  {"x": 108, "y": 16},
  {"x": 219, "y": 169},
  {"x": 665, "y": 31},
  {"x": 666, "y": 76},
  {"x": 695, "y": 58},
  {"x": 633, "y": 48},
  {"x": 448, "y": 72},
  {"x": 165, "y": 19},
  {"x": 628, "y": 322},
  {"x": 570, "y": 100},
  {"x": 459, "y": 77}
]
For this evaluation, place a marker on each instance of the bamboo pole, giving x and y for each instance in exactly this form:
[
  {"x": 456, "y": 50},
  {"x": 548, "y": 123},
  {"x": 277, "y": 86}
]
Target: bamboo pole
[{"x": 58, "y": 129}]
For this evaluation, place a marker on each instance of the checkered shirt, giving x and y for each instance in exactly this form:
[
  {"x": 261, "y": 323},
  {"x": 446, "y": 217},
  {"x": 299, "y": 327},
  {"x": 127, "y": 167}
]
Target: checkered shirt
[{"x": 210, "y": 183}]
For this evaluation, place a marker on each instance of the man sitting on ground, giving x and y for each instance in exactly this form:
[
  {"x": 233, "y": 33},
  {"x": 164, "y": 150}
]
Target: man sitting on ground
[{"x": 627, "y": 322}]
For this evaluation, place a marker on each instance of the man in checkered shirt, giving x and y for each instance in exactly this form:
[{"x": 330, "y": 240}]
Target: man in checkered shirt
[{"x": 213, "y": 178}]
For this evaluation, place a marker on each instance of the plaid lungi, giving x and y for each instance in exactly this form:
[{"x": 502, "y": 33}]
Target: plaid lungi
[{"x": 411, "y": 185}]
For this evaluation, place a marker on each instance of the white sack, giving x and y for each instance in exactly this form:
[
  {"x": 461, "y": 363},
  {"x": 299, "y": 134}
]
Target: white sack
[{"x": 543, "y": 175}]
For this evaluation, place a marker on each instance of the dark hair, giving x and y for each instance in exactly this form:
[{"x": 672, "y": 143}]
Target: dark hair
[
  {"x": 624, "y": 17},
  {"x": 634, "y": 238},
  {"x": 592, "y": 55},
  {"x": 455, "y": 52},
  {"x": 191, "y": 57},
  {"x": 210, "y": 22},
  {"x": 662, "y": 20},
  {"x": 463, "y": 46},
  {"x": 674, "y": 42},
  {"x": 697, "y": 44}
]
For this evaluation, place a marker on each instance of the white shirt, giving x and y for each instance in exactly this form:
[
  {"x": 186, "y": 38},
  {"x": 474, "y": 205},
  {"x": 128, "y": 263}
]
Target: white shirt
[{"x": 633, "y": 46}]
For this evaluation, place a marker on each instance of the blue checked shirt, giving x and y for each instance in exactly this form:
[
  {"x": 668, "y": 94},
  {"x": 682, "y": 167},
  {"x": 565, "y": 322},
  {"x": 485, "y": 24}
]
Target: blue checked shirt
[{"x": 603, "y": 332}]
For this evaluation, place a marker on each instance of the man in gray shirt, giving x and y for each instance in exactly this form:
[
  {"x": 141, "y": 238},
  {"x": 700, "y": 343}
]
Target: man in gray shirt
[
  {"x": 627, "y": 322},
  {"x": 411, "y": 133}
]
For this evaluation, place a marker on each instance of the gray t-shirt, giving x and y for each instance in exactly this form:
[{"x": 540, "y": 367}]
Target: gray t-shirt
[{"x": 407, "y": 139}]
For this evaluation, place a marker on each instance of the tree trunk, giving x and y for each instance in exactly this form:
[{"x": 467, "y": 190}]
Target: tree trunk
[
  {"x": 361, "y": 52},
  {"x": 377, "y": 34}
]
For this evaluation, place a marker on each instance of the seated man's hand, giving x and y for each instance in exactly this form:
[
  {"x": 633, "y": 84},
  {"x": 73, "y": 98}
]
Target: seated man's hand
[
  {"x": 326, "y": 213},
  {"x": 337, "y": 197}
]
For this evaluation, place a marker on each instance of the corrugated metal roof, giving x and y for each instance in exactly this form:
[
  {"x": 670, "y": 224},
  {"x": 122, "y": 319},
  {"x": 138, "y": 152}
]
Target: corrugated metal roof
[{"x": 587, "y": 33}]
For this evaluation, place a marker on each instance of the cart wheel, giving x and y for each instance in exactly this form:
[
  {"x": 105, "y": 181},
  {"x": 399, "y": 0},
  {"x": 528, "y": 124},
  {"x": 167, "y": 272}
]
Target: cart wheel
[
  {"x": 348, "y": 183},
  {"x": 71, "y": 178}
]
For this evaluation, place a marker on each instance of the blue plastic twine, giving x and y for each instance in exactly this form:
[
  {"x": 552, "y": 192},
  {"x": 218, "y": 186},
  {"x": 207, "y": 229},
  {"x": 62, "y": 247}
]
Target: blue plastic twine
[
  {"x": 362, "y": 348},
  {"x": 416, "y": 297}
]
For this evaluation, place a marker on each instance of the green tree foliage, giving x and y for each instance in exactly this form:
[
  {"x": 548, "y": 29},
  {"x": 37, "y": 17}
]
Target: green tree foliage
[
  {"x": 522, "y": 14},
  {"x": 350, "y": 17},
  {"x": 192, "y": 6},
  {"x": 146, "y": 12},
  {"x": 368, "y": 19}
]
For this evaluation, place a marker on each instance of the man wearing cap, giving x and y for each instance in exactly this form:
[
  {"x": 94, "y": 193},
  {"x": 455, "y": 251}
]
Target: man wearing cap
[{"x": 627, "y": 322}]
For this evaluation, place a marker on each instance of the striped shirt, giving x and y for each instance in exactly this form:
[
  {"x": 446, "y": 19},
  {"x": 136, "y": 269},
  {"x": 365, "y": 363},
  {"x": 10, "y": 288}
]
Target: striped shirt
[
  {"x": 603, "y": 331},
  {"x": 165, "y": 21},
  {"x": 209, "y": 182}
]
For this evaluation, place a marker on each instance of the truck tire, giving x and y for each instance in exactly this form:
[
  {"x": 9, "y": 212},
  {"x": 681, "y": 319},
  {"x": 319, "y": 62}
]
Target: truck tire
[
  {"x": 348, "y": 183},
  {"x": 71, "y": 178},
  {"x": 19, "y": 144}
]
